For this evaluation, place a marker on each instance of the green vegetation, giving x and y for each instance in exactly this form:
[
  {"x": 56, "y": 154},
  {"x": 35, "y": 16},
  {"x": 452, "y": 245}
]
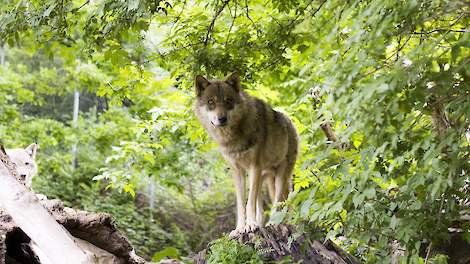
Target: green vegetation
[
  {"x": 225, "y": 250},
  {"x": 391, "y": 77}
]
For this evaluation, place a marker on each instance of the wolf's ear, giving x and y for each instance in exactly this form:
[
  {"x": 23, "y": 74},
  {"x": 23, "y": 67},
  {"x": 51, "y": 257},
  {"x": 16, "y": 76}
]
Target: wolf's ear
[
  {"x": 32, "y": 149},
  {"x": 201, "y": 84},
  {"x": 234, "y": 81}
]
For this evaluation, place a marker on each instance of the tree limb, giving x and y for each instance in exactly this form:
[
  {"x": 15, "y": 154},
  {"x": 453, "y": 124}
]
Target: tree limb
[{"x": 212, "y": 24}]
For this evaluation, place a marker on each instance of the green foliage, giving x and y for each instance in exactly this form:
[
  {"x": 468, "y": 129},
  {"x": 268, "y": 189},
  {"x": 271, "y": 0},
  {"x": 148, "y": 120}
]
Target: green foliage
[
  {"x": 438, "y": 259},
  {"x": 169, "y": 252},
  {"x": 72, "y": 22},
  {"x": 228, "y": 251}
]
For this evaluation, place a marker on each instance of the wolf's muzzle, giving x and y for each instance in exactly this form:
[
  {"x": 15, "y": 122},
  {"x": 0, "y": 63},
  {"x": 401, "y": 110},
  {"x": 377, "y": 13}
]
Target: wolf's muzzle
[{"x": 222, "y": 121}]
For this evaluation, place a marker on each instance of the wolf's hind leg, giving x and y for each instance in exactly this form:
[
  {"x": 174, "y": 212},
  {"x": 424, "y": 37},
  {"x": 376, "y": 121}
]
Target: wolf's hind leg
[
  {"x": 280, "y": 187},
  {"x": 270, "y": 184}
]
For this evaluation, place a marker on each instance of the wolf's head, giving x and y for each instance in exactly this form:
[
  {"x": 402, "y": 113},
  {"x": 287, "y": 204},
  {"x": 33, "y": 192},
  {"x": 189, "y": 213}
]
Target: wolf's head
[
  {"x": 24, "y": 162},
  {"x": 219, "y": 100}
]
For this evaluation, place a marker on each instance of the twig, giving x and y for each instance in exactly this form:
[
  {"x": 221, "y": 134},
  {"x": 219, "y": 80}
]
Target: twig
[
  {"x": 319, "y": 7},
  {"x": 397, "y": 51},
  {"x": 80, "y": 7},
  {"x": 234, "y": 16},
  {"x": 275, "y": 20},
  {"x": 316, "y": 176},
  {"x": 428, "y": 250},
  {"x": 247, "y": 12},
  {"x": 178, "y": 16},
  {"x": 440, "y": 30},
  {"x": 399, "y": 48},
  {"x": 211, "y": 26},
  {"x": 302, "y": 12}
]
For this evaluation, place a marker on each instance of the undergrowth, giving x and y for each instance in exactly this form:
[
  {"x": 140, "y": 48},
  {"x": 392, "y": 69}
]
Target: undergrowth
[{"x": 227, "y": 251}]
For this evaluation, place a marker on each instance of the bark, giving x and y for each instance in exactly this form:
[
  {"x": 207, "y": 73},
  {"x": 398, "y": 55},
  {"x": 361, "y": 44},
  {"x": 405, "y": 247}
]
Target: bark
[
  {"x": 329, "y": 133},
  {"x": 439, "y": 118},
  {"x": 272, "y": 243},
  {"x": 331, "y": 136},
  {"x": 45, "y": 231},
  {"x": 24, "y": 208},
  {"x": 96, "y": 232}
]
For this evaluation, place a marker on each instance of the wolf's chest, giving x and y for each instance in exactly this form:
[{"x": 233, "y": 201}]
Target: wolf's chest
[{"x": 242, "y": 158}]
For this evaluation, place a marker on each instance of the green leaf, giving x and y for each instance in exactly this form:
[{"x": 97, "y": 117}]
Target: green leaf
[
  {"x": 278, "y": 216},
  {"x": 168, "y": 252},
  {"x": 358, "y": 198},
  {"x": 370, "y": 193},
  {"x": 48, "y": 11},
  {"x": 393, "y": 222},
  {"x": 133, "y": 4},
  {"x": 305, "y": 209}
]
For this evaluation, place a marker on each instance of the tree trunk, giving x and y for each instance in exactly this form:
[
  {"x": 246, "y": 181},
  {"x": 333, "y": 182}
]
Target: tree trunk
[
  {"x": 25, "y": 209},
  {"x": 272, "y": 244},
  {"x": 96, "y": 233},
  {"x": 37, "y": 232},
  {"x": 76, "y": 104}
]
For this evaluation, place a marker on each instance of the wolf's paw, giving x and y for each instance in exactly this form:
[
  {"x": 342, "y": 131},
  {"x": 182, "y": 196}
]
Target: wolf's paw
[
  {"x": 236, "y": 232},
  {"x": 251, "y": 227}
]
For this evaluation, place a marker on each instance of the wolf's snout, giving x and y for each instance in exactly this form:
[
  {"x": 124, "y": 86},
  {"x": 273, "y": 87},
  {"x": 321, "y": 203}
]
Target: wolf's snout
[
  {"x": 23, "y": 176},
  {"x": 222, "y": 120}
]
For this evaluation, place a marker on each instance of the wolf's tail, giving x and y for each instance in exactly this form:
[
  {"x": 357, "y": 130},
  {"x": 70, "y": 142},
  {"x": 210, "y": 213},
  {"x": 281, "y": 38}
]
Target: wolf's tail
[{"x": 292, "y": 153}]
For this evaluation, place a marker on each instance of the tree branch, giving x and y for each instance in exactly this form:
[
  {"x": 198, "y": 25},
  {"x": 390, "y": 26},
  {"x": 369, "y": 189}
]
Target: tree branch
[
  {"x": 437, "y": 30},
  {"x": 211, "y": 26},
  {"x": 234, "y": 16},
  {"x": 303, "y": 10},
  {"x": 247, "y": 12},
  {"x": 80, "y": 7}
]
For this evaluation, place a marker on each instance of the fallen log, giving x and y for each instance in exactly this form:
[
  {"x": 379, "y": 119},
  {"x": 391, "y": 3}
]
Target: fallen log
[
  {"x": 50, "y": 239},
  {"x": 94, "y": 232},
  {"x": 45, "y": 232}
]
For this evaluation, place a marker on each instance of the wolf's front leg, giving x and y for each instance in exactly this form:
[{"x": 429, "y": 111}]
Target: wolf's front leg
[
  {"x": 254, "y": 190},
  {"x": 239, "y": 181}
]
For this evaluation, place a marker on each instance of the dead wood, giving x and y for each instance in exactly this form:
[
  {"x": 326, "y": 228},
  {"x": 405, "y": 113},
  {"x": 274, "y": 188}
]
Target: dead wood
[
  {"x": 272, "y": 244},
  {"x": 96, "y": 232},
  {"x": 98, "y": 229}
]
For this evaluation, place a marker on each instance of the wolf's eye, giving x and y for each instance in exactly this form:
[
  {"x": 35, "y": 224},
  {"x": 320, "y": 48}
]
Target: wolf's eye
[
  {"x": 211, "y": 104},
  {"x": 26, "y": 163}
]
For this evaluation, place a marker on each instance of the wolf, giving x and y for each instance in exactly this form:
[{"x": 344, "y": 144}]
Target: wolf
[
  {"x": 253, "y": 138},
  {"x": 24, "y": 161}
]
